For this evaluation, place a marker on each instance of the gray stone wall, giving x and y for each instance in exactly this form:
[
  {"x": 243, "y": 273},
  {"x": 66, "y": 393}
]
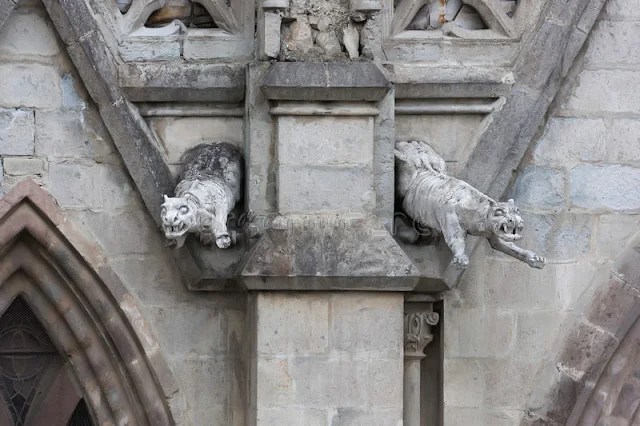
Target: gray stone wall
[
  {"x": 50, "y": 131},
  {"x": 578, "y": 189}
]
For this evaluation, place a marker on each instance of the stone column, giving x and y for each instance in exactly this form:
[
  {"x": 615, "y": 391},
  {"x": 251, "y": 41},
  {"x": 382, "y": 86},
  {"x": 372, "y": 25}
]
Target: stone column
[{"x": 417, "y": 327}]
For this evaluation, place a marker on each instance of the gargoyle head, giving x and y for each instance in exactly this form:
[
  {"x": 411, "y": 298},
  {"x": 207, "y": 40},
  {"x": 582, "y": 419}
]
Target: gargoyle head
[
  {"x": 504, "y": 221},
  {"x": 178, "y": 217}
]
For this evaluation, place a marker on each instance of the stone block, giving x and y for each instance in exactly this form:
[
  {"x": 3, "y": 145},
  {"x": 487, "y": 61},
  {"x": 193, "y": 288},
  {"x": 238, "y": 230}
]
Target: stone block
[
  {"x": 278, "y": 416},
  {"x": 559, "y": 237},
  {"x": 98, "y": 186},
  {"x": 608, "y": 187},
  {"x": 605, "y": 91},
  {"x": 71, "y": 134},
  {"x": 464, "y": 382},
  {"x": 621, "y": 10},
  {"x": 141, "y": 50},
  {"x": 580, "y": 280},
  {"x": 467, "y": 416},
  {"x": 200, "y": 45},
  {"x": 611, "y": 305},
  {"x": 272, "y": 23},
  {"x": 179, "y": 134},
  {"x": 584, "y": 349},
  {"x": 130, "y": 232},
  {"x": 536, "y": 332},
  {"x": 613, "y": 232},
  {"x": 325, "y": 189},
  {"x": 367, "y": 324},
  {"x": 290, "y": 323},
  {"x": 23, "y": 166},
  {"x": 568, "y": 140},
  {"x": 71, "y": 97},
  {"x": 508, "y": 382},
  {"x": 325, "y": 141},
  {"x": 28, "y": 34},
  {"x": 540, "y": 188},
  {"x": 16, "y": 132},
  {"x": 274, "y": 383},
  {"x": 362, "y": 417},
  {"x": 614, "y": 43},
  {"x": 624, "y": 143},
  {"x": 30, "y": 86},
  {"x": 492, "y": 334}
]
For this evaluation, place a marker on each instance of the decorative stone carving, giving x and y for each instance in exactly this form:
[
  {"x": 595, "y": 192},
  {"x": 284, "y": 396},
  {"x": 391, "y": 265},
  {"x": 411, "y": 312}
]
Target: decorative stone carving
[
  {"x": 209, "y": 190},
  {"x": 417, "y": 328},
  {"x": 453, "y": 208}
]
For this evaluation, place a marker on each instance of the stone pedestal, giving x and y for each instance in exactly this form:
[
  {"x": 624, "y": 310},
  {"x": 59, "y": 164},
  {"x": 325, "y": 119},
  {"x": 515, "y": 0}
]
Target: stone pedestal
[{"x": 325, "y": 358}]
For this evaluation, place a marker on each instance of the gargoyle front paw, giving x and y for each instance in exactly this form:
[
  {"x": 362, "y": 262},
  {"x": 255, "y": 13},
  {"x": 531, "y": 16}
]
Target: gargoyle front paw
[
  {"x": 461, "y": 261},
  {"x": 223, "y": 241},
  {"x": 535, "y": 261}
]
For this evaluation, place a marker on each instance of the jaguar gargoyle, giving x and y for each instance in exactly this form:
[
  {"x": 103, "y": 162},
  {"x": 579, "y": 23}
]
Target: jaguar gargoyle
[
  {"x": 209, "y": 190},
  {"x": 453, "y": 208}
]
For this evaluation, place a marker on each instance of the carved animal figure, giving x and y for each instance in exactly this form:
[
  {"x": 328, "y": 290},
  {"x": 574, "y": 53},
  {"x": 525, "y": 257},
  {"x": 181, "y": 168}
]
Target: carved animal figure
[
  {"x": 209, "y": 190},
  {"x": 454, "y": 208}
]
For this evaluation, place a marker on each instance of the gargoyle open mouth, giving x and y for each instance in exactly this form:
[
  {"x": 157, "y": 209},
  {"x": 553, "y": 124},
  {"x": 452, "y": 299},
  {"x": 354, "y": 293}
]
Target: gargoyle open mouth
[
  {"x": 509, "y": 232},
  {"x": 175, "y": 231}
]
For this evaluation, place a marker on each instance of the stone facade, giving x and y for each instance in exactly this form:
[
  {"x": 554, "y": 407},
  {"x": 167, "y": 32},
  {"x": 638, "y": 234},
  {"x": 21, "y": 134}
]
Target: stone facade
[{"x": 303, "y": 321}]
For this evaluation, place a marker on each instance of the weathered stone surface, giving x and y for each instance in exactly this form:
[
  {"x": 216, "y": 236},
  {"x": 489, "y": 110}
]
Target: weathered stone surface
[
  {"x": 614, "y": 231},
  {"x": 22, "y": 166},
  {"x": 298, "y": 37},
  {"x": 536, "y": 332},
  {"x": 16, "y": 132},
  {"x": 276, "y": 416},
  {"x": 624, "y": 143},
  {"x": 572, "y": 139},
  {"x": 272, "y": 23},
  {"x": 277, "y": 315},
  {"x": 158, "y": 49},
  {"x": 614, "y": 42},
  {"x": 28, "y": 34},
  {"x": 492, "y": 335},
  {"x": 605, "y": 90},
  {"x": 364, "y": 417},
  {"x": 148, "y": 82},
  {"x": 540, "y": 188},
  {"x": 325, "y": 189},
  {"x": 558, "y": 237},
  {"x": 31, "y": 86},
  {"x": 612, "y": 187},
  {"x": 325, "y": 141},
  {"x": 465, "y": 378},
  {"x": 347, "y": 81},
  {"x": 481, "y": 416},
  {"x": 329, "y": 42},
  {"x": 71, "y": 135},
  {"x": 507, "y": 380}
]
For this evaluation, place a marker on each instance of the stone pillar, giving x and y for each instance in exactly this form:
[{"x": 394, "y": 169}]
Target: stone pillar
[
  {"x": 327, "y": 358},
  {"x": 417, "y": 328}
]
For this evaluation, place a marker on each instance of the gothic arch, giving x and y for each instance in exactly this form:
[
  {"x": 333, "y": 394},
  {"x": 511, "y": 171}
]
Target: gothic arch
[
  {"x": 596, "y": 372},
  {"x": 88, "y": 313}
]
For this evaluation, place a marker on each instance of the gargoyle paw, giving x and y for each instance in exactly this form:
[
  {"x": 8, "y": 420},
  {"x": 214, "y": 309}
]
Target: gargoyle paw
[
  {"x": 535, "y": 261},
  {"x": 461, "y": 261}
]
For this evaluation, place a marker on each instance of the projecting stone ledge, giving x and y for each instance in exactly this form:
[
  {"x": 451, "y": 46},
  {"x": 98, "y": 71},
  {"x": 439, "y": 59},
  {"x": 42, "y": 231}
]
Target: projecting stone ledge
[
  {"x": 325, "y": 81},
  {"x": 345, "y": 255}
]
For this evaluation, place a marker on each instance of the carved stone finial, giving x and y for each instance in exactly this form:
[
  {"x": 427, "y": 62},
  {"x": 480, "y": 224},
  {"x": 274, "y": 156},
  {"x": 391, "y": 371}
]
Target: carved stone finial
[
  {"x": 210, "y": 188},
  {"x": 453, "y": 208},
  {"x": 417, "y": 329}
]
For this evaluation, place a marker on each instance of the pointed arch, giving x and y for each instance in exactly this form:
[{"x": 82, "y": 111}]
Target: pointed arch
[{"x": 88, "y": 313}]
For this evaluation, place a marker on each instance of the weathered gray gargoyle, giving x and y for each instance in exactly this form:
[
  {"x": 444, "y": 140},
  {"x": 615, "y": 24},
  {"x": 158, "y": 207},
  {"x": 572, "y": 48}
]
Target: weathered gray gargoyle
[
  {"x": 453, "y": 208},
  {"x": 209, "y": 190}
]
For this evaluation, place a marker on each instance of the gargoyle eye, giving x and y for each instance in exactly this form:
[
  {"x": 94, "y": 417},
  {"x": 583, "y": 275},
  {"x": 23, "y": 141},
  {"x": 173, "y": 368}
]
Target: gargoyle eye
[
  {"x": 498, "y": 213},
  {"x": 184, "y": 209}
]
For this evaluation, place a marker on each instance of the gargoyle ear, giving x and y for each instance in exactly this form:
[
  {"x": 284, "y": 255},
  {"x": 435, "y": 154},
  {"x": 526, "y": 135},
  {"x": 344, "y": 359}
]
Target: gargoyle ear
[
  {"x": 165, "y": 197},
  {"x": 511, "y": 202},
  {"x": 401, "y": 156},
  {"x": 492, "y": 203}
]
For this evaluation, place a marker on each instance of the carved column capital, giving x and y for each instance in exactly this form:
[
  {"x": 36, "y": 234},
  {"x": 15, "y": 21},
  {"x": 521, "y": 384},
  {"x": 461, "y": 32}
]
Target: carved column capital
[{"x": 417, "y": 332}]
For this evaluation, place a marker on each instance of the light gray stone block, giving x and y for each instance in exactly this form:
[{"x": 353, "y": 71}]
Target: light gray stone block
[
  {"x": 492, "y": 334},
  {"x": 31, "y": 86},
  {"x": 568, "y": 140},
  {"x": 272, "y": 22},
  {"x": 142, "y": 50},
  {"x": 325, "y": 141},
  {"x": 99, "y": 186},
  {"x": 536, "y": 331},
  {"x": 278, "y": 416},
  {"x": 481, "y": 416},
  {"x": 362, "y": 417},
  {"x": 315, "y": 189},
  {"x": 16, "y": 132},
  {"x": 540, "y": 188},
  {"x": 614, "y": 43},
  {"x": 507, "y": 382},
  {"x": 28, "y": 34},
  {"x": 22, "y": 166},
  {"x": 558, "y": 237},
  {"x": 606, "y": 90},
  {"x": 624, "y": 142},
  {"x": 367, "y": 325},
  {"x": 613, "y": 232},
  {"x": 292, "y": 323},
  {"x": 464, "y": 378},
  {"x": 609, "y": 187}
]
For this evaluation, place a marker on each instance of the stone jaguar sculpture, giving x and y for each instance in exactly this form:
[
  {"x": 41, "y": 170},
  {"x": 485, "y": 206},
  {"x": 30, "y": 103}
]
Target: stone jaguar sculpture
[
  {"x": 454, "y": 208},
  {"x": 208, "y": 191}
]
